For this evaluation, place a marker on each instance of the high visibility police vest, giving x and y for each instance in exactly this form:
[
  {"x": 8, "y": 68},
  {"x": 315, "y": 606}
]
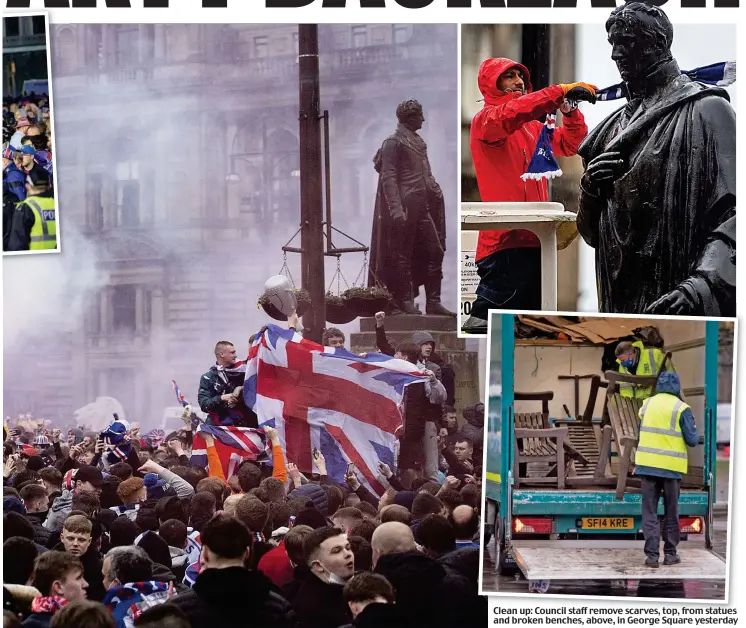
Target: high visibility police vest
[
  {"x": 44, "y": 231},
  {"x": 662, "y": 444},
  {"x": 650, "y": 365}
]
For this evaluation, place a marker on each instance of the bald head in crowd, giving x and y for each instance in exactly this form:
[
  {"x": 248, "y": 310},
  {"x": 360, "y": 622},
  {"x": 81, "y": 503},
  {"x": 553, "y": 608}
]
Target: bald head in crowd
[{"x": 391, "y": 538}]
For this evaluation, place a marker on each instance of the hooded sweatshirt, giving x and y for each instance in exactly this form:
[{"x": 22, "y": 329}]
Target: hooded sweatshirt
[
  {"x": 668, "y": 382},
  {"x": 503, "y": 139}
]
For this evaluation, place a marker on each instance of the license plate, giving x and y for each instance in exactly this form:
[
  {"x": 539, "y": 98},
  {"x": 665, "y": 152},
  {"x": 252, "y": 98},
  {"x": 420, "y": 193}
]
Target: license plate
[{"x": 608, "y": 523}]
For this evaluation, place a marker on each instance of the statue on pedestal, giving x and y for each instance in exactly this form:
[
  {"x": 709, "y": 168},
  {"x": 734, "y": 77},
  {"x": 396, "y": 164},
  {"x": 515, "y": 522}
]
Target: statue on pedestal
[{"x": 409, "y": 226}]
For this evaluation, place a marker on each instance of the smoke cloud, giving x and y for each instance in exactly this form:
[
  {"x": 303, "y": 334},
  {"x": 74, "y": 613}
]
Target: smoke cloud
[{"x": 209, "y": 133}]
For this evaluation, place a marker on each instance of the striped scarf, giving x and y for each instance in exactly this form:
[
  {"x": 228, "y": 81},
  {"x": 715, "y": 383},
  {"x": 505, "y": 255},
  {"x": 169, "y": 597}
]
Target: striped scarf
[
  {"x": 48, "y": 604},
  {"x": 121, "y": 510},
  {"x": 543, "y": 165}
]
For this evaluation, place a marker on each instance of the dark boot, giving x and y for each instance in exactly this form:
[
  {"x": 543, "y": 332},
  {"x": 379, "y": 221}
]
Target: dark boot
[
  {"x": 651, "y": 561},
  {"x": 434, "y": 306},
  {"x": 671, "y": 559},
  {"x": 407, "y": 307}
]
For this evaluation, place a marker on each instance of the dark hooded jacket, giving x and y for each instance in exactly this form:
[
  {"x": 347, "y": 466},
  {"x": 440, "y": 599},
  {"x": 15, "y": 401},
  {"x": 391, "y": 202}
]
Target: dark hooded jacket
[
  {"x": 503, "y": 138},
  {"x": 669, "y": 220},
  {"x": 426, "y": 592},
  {"x": 473, "y": 610},
  {"x": 234, "y": 597},
  {"x": 41, "y": 534},
  {"x": 319, "y": 604},
  {"x": 380, "y": 616},
  {"x": 668, "y": 383},
  {"x": 473, "y": 427}
]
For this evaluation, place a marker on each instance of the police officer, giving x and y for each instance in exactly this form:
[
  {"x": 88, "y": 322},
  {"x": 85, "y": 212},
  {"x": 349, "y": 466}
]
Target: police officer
[
  {"x": 666, "y": 429},
  {"x": 634, "y": 358},
  {"x": 34, "y": 225},
  {"x": 14, "y": 191}
]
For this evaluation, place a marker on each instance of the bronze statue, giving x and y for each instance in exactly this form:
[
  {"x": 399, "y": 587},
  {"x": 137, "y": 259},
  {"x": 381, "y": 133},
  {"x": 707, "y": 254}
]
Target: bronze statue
[
  {"x": 658, "y": 197},
  {"x": 409, "y": 226}
]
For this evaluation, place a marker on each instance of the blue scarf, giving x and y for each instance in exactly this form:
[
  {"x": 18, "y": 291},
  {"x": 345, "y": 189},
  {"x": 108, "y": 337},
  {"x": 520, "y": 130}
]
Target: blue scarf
[{"x": 543, "y": 165}]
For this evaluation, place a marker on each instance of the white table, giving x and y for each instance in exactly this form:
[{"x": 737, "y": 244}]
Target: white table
[{"x": 541, "y": 219}]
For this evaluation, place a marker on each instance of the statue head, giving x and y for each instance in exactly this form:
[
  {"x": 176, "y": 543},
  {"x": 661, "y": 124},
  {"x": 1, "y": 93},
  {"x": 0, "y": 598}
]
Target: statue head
[
  {"x": 409, "y": 113},
  {"x": 640, "y": 35}
]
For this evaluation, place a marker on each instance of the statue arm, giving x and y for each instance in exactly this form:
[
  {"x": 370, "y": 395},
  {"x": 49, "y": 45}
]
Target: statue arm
[
  {"x": 390, "y": 179},
  {"x": 496, "y": 123},
  {"x": 712, "y": 287}
]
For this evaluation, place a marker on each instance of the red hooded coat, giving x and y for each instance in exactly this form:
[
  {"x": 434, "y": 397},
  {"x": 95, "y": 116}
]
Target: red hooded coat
[{"x": 503, "y": 139}]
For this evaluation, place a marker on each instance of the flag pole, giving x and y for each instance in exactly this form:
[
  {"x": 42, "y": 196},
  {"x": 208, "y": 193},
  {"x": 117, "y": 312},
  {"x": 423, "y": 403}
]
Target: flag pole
[{"x": 311, "y": 205}]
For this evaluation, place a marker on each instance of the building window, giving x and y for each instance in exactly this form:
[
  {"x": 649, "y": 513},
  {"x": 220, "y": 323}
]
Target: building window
[
  {"x": 123, "y": 309},
  {"x": 401, "y": 34},
  {"x": 12, "y": 28},
  {"x": 37, "y": 25},
  {"x": 128, "y": 194},
  {"x": 261, "y": 47},
  {"x": 95, "y": 201},
  {"x": 359, "y": 36}
]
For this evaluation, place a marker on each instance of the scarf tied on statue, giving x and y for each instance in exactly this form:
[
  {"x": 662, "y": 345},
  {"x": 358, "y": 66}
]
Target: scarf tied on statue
[{"x": 543, "y": 164}]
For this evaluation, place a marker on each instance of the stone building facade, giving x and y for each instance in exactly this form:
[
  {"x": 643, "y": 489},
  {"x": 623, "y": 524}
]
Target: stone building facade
[{"x": 177, "y": 163}]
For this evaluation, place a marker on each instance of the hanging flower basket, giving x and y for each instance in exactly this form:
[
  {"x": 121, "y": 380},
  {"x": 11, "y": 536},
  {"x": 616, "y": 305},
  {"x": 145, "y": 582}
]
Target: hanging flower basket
[
  {"x": 366, "y": 301},
  {"x": 302, "y": 297},
  {"x": 337, "y": 311}
]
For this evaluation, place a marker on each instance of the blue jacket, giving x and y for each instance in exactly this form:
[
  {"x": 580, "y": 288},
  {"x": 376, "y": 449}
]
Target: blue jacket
[
  {"x": 668, "y": 382},
  {"x": 14, "y": 182}
]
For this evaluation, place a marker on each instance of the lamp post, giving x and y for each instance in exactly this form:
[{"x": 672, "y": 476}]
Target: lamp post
[{"x": 312, "y": 210}]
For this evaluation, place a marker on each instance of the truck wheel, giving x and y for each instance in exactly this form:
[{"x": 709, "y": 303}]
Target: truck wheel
[{"x": 505, "y": 564}]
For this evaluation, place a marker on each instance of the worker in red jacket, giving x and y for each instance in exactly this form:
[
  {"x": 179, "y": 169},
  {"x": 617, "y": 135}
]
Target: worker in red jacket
[{"x": 503, "y": 139}]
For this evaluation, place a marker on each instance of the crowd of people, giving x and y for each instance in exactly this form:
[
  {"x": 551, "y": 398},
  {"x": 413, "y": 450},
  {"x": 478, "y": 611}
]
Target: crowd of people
[
  {"x": 119, "y": 529},
  {"x": 29, "y": 218}
]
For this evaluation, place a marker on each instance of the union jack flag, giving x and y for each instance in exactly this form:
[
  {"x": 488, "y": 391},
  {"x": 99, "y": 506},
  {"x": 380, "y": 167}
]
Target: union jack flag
[
  {"x": 179, "y": 394},
  {"x": 344, "y": 405},
  {"x": 233, "y": 446}
]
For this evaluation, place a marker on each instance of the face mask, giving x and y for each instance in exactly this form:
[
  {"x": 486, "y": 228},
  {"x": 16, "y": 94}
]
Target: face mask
[
  {"x": 332, "y": 578},
  {"x": 628, "y": 363}
]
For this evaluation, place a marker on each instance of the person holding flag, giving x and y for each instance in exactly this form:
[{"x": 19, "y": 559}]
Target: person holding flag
[{"x": 505, "y": 134}]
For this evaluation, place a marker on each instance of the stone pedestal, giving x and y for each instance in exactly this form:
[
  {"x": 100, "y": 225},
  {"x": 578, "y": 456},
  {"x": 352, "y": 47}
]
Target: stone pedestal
[{"x": 453, "y": 349}]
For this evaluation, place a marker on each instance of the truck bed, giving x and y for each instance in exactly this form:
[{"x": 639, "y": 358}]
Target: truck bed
[{"x": 610, "y": 560}]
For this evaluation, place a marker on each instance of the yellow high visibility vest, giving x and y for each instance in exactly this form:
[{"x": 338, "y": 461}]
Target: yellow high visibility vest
[
  {"x": 650, "y": 365},
  {"x": 662, "y": 444},
  {"x": 44, "y": 231}
]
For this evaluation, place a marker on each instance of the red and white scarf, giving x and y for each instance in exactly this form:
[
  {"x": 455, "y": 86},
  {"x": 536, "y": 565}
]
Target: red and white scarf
[{"x": 49, "y": 604}]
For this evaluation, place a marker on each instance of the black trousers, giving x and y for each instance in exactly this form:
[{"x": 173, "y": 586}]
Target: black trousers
[
  {"x": 508, "y": 280},
  {"x": 652, "y": 487}
]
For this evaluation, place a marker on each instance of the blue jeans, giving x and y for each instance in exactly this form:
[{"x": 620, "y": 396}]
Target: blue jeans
[{"x": 508, "y": 280}]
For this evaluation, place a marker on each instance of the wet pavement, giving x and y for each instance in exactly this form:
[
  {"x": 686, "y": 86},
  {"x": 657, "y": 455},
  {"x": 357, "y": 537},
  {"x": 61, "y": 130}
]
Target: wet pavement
[{"x": 690, "y": 589}]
